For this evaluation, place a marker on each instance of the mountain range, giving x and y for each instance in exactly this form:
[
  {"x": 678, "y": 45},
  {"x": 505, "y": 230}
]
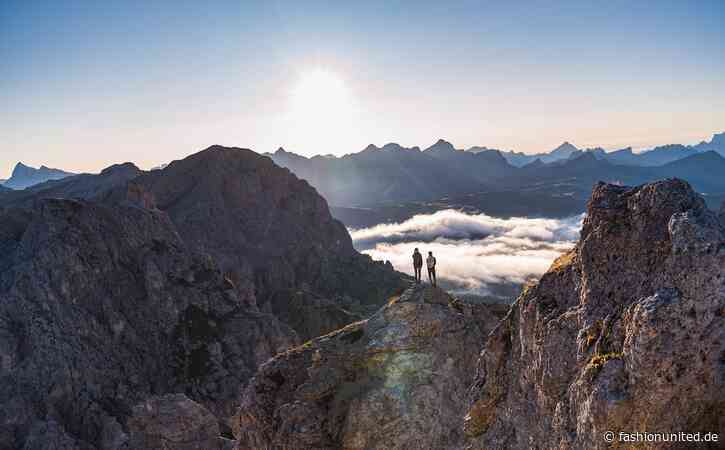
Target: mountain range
[
  {"x": 552, "y": 184},
  {"x": 656, "y": 156},
  {"x": 217, "y": 304}
]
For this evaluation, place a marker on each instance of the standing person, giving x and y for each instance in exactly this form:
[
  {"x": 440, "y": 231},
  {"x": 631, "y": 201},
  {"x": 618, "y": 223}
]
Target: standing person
[
  {"x": 417, "y": 264},
  {"x": 431, "y": 262}
]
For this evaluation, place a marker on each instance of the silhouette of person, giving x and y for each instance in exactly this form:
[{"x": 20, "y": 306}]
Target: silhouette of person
[
  {"x": 417, "y": 264},
  {"x": 431, "y": 263}
]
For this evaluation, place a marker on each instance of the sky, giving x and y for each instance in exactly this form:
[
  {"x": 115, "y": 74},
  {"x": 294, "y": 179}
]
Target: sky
[{"x": 87, "y": 84}]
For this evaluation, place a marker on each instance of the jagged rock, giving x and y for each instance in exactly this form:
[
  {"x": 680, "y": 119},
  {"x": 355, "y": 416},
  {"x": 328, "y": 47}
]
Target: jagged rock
[
  {"x": 101, "y": 307},
  {"x": 119, "y": 295},
  {"x": 268, "y": 230},
  {"x": 623, "y": 333},
  {"x": 395, "y": 381},
  {"x": 174, "y": 422}
]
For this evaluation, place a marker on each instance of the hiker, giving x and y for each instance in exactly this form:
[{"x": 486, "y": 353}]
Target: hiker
[
  {"x": 431, "y": 262},
  {"x": 417, "y": 264}
]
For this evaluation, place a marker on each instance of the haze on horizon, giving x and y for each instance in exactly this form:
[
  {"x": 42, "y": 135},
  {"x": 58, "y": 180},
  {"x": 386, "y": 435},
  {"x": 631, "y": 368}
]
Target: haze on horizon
[{"x": 85, "y": 85}]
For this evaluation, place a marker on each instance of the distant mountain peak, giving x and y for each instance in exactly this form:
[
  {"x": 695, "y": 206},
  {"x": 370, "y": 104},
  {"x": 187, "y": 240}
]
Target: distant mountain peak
[
  {"x": 391, "y": 146},
  {"x": 25, "y": 176},
  {"x": 718, "y": 138},
  {"x": 127, "y": 167},
  {"x": 441, "y": 146},
  {"x": 566, "y": 148}
]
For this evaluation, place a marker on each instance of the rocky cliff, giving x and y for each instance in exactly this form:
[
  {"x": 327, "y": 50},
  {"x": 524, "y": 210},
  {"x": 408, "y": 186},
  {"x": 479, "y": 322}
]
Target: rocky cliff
[
  {"x": 624, "y": 333},
  {"x": 139, "y": 289},
  {"x": 397, "y": 380},
  {"x": 102, "y": 307},
  {"x": 271, "y": 233}
]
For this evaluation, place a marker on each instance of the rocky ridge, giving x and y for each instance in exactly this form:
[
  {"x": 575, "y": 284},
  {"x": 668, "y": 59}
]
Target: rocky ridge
[
  {"x": 397, "y": 380},
  {"x": 270, "y": 232},
  {"x": 117, "y": 297},
  {"x": 103, "y": 307},
  {"x": 624, "y": 333}
]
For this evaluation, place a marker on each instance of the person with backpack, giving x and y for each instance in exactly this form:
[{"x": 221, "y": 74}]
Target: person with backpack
[
  {"x": 431, "y": 263},
  {"x": 417, "y": 264}
]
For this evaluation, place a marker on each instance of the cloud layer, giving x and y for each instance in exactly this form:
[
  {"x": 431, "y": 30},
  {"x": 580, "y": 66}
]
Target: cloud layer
[{"x": 474, "y": 252}]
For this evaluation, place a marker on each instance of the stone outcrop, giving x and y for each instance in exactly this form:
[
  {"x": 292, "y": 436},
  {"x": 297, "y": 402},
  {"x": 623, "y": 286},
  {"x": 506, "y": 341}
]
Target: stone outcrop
[
  {"x": 623, "y": 333},
  {"x": 102, "y": 307},
  {"x": 397, "y": 380}
]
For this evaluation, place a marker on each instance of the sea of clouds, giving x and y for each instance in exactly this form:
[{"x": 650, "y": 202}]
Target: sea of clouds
[{"x": 474, "y": 251}]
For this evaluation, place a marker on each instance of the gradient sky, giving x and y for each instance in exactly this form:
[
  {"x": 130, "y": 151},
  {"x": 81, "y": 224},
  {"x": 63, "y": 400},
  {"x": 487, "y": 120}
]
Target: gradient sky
[{"x": 87, "y": 84}]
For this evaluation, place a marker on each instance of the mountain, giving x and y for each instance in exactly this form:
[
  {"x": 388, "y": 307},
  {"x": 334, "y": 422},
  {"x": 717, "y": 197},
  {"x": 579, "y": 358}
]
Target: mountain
[
  {"x": 378, "y": 174},
  {"x": 664, "y": 154},
  {"x": 656, "y": 156},
  {"x": 83, "y": 186},
  {"x": 108, "y": 306},
  {"x": 621, "y": 332},
  {"x": 705, "y": 171},
  {"x": 180, "y": 280},
  {"x": 717, "y": 144},
  {"x": 406, "y": 370},
  {"x": 379, "y": 177},
  {"x": 484, "y": 166},
  {"x": 624, "y": 157},
  {"x": 245, "y": 211},
  {"x": 562, "y": 152},
  {"x": 24, "y": 176}
]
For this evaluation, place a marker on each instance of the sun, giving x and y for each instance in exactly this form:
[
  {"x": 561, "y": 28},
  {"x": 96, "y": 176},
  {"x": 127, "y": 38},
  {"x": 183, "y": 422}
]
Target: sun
[
  {"x": 321, "y": 111},
  {"x": 320, "y": 92}
]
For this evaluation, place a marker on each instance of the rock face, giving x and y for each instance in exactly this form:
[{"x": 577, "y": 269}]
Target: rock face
[
  {"x": 268, "y": 230},
  {"x": 624, "y": 333},
  {"x": 395, "y": 381},
  {"x": 150, "y": 287},
  {"x": 102, "y": 307},
  {"x": 174, "y": 422}
]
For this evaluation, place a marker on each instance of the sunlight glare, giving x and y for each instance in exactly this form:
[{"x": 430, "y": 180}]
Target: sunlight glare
[{"x": 321, "y": 111}]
